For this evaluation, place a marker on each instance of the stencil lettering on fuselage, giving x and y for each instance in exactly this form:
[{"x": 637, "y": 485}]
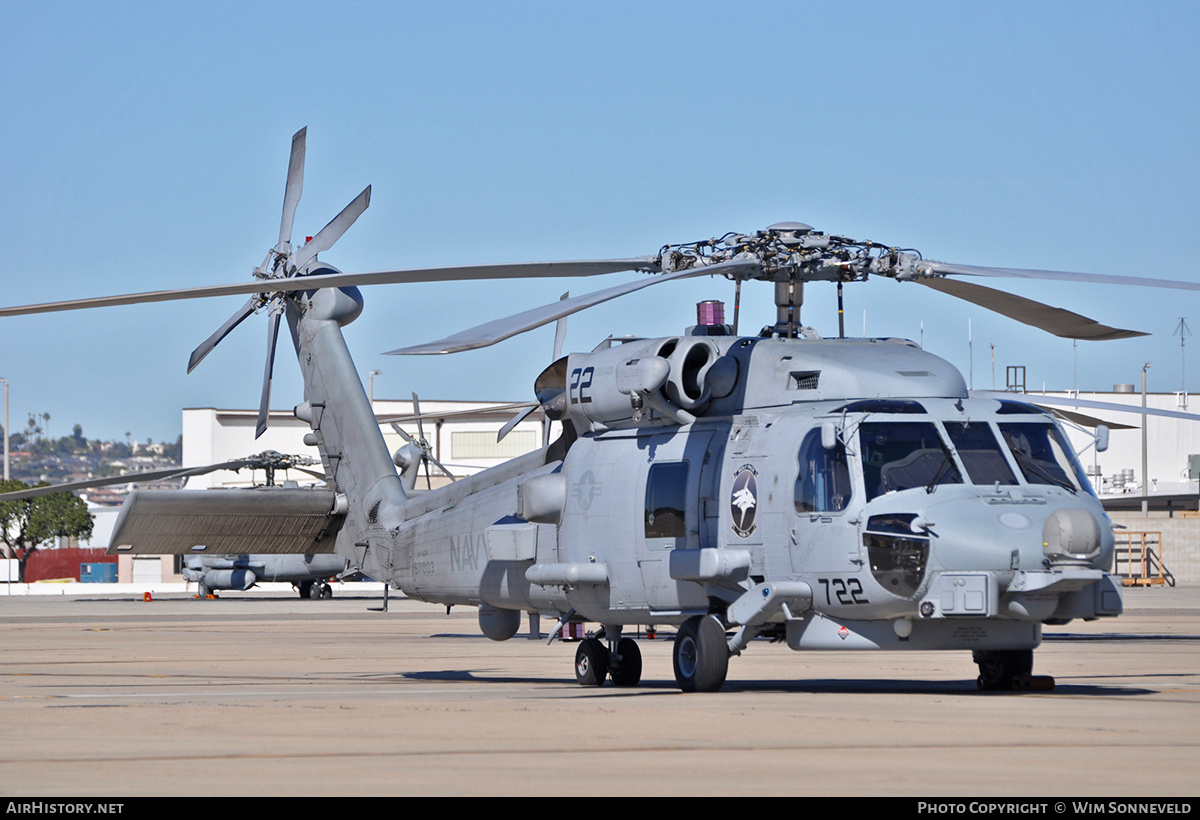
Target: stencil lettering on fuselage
[{"x": 465, "y": 551}]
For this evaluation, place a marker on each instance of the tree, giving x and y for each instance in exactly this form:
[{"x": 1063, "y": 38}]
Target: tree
[{"x": 28, "y": 523}]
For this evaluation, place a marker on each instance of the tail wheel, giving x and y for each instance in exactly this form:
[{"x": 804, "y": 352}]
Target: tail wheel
[
  {"x": 701, "y": 655},
  {"x": 629, "y": 670},
  {"x": 591, "y": 663},
  {"x": 998, "y": 670}
]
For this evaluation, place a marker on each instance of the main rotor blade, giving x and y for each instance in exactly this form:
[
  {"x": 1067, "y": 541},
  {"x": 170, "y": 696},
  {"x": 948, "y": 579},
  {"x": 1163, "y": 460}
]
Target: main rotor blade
[
  {"x": 212, "y": 341},
  {"x": 1066, "y": 276},
  {"x": 295, "y": 185},
  {"x": 1054, "y": 320},
  {"x": 492, "y": 408},
  {"x": 500, "y": 329},
  {"x": 1070, "y": 401},
  {"x": 560, "y": 331},
  {"x": 337, "y": 226},
  {"x": 264, "y": 403},
  {"x": 337, "y": 279},
  {"x": 1084, "y": 420},
  {"x": 513, "y": 422},
  {"x": 149, "y": 475}
]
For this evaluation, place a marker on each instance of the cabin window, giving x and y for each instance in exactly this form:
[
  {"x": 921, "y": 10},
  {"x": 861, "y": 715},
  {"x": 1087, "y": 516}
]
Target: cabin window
[
  {"x": 903, "y": 455},
  {"x": 1043, "y": 456},
  {"x": 980, "y": 453},
  {"x": 666, "y": 500},
  {"x": 823, "y": 482}
]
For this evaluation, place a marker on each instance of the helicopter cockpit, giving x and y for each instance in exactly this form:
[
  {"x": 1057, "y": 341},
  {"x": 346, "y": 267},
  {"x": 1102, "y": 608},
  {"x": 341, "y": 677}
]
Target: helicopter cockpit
[{"x": 947, "y": 486}]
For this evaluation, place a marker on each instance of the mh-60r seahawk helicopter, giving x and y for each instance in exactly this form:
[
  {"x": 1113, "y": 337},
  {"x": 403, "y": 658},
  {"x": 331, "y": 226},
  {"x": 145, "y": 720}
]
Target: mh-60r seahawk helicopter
[{"x": 830, "y": 493}]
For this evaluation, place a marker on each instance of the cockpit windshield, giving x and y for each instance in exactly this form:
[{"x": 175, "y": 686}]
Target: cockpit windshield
[
  {"x": 1043, "y": 456},
  {"x": 980, "y": 453},
  {"x": 903, "y": 455}
]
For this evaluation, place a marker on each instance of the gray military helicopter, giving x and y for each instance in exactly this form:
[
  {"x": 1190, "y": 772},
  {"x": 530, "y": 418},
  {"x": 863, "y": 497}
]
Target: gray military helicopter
[
  {"x": 309, "y": 573},
  {"x": 828, "y": 493}
]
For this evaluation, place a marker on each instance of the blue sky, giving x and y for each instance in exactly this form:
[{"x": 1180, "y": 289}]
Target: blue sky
[{"x": 145, "y": 147}]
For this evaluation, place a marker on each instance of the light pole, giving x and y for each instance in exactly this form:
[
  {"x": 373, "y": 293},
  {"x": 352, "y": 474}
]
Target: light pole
[
  {"x": 1145, "y": 479},
  {"x": 371, "y": 386}
]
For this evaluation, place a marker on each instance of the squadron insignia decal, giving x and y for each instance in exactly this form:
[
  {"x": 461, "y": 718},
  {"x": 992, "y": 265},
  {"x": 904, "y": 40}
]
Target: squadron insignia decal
[{"x": 743, "y": 502}]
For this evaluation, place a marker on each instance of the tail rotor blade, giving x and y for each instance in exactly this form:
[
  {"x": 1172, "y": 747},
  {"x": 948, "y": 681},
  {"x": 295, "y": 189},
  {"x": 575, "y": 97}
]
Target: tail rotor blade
[
  {"x": 265, "y": 403},
  {"x": 440, "y": 466},
  {"x": 224, "y": 330},
  {"x": 337, "y": 226},
  {"x": 295, "y": 184}
]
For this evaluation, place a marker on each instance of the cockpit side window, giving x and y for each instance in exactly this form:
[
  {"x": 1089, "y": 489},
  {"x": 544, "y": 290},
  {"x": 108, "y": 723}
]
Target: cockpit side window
[
  {"x": 1043, "y": 456},
  {"x": 980, "y": 453},
  {"x": 904, "y": 455},
  {"x": 823, "y": 483}
]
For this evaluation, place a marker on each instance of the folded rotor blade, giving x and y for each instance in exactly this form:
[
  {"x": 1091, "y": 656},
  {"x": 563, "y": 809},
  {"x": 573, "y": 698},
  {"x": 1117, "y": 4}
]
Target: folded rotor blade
[
  {"x": 149, "y": 475},
  {"x": 1054, "y": 320},
  {"x": 291, "y": 194},
  {"x": 337, "y": 226},
  {"x": 212, "y": 341},
  {"x": 500, "y": 329},
  {"x": 265, "y": 402},
  {"x": 453, "y": 273},
  {"x": 1065, "y": 276}
]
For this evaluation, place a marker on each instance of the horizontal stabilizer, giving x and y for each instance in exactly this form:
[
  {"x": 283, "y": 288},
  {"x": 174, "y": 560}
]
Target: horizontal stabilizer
[{"x": 190, "y": 522}]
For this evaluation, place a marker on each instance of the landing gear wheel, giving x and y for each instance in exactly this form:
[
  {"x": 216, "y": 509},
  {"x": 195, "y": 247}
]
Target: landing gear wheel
[
  {"x": 701, "y": 655},
  {"x": 314, "y": 590},
  {"x": 591, "y": 663},
  {"x": 999, "y": 670},
  {"x": 305, "y": 589},
  {"x": 629, "y": 672},
  {"x": 326, "y": 592}
]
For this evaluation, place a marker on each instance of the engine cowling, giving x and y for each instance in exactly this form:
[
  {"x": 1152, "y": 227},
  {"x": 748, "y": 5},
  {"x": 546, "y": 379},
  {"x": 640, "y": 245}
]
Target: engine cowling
[{"x": 637, "y": 384}]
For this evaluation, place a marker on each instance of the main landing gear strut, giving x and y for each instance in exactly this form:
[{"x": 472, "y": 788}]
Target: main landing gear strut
[{"x": 701, "y": 657}]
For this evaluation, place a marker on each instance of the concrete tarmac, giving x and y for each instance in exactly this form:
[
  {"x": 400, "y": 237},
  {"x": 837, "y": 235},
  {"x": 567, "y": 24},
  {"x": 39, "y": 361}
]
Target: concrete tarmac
[{"x": 258, "y": 694}]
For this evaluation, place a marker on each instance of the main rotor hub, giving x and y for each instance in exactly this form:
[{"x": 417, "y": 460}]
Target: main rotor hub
[{"x": 795, "y": 252}]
